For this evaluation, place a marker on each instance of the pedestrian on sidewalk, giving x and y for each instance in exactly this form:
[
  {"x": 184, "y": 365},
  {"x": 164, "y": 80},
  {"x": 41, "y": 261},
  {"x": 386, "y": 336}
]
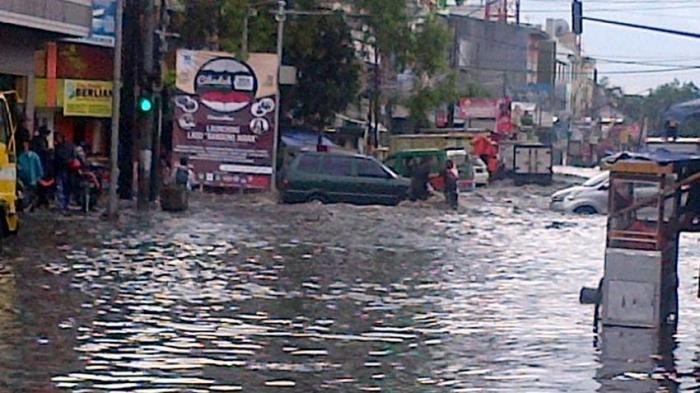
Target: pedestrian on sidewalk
[
  {"x": 29, "y": 170},
  {"x": 64, "y": 157},
  {"x": 451, "y": 175},
  {"x": 40, "y": 146}
]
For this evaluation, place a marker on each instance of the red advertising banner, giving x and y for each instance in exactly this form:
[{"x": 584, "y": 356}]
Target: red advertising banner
[
  {"x": 224, "y": 117},
  {"x": 497, "y": 109},
  {"x": 478, "y": 108}
]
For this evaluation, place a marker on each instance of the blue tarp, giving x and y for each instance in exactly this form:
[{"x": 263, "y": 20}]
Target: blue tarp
[
  {"x": 297, "y": 137},
  {"x": 681, "y": 112},
  {"x": 662, "y": 156}
]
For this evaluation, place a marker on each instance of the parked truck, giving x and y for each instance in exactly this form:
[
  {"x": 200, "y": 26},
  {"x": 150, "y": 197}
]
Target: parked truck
[
  {"x": 532, "y": 163},
  {"x": 9, "y": 220}
]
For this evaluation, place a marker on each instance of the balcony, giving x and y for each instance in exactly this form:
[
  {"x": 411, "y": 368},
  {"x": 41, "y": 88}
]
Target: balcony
[{"x": 63, "y": 17}]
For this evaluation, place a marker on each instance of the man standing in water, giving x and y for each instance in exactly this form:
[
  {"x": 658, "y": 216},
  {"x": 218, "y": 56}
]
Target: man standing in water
[
  {"x": 451, "y": 191},
  {"x": 419, "y": 179}
]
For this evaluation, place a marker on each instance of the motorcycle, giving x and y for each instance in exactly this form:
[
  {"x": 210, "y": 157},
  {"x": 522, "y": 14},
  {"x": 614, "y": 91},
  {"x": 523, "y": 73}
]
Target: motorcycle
[{"x": 89, "y": 186}]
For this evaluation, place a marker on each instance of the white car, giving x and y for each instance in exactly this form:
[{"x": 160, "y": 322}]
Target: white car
[
  {"x": 591, "y": 197},
  {"x": 481, "y": 172}
]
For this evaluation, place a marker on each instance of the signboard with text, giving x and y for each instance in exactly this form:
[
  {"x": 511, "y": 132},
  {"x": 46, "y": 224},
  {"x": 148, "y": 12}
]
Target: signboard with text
[
  {"x": 103, "y": 32},
  {"x": 87, "y": 98},
  {"x": 497, "y": 109},
  {"x": 224, "y": 117}
]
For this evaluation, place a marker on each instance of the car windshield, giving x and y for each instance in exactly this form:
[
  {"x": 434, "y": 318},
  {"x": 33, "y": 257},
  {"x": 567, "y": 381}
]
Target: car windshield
[
  {"x": 596, "y": 181},
  {"x": 389, "y": 171}
]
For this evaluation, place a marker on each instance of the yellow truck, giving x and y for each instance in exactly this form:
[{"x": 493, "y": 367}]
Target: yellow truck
[{"x": 9, "y": 220}]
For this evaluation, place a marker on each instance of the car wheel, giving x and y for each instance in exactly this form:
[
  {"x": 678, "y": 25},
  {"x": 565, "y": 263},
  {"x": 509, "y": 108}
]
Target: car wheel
[
  {"x": 587, "y": 210},
  {"x": 317, "y": 198}
]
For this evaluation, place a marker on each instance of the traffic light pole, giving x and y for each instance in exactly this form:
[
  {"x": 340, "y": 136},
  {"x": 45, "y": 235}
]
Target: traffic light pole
[
  {"x": 281, "y": 16},
  {"x": 113, "y": 209},
  {"x": 147, "y": 121}
]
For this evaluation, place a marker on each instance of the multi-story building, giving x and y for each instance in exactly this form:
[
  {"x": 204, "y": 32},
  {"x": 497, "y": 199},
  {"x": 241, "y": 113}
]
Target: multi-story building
[
  {"x": 74, "y": 82},
  {"x": 503, "y": 58},
  {"x": 25, "y": 26}
]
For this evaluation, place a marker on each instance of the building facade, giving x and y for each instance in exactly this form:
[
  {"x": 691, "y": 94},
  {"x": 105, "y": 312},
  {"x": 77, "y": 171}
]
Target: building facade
[{"x": 25, "y": 27}]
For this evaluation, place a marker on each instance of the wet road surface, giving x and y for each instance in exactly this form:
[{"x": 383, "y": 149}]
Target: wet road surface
[{"x": 246, "y": 295}]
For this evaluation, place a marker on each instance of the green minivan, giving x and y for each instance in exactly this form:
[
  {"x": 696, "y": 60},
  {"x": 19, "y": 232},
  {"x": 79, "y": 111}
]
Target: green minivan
[
  {"x": 401, "y": 161},
  {"x": 341, "y": 178}
]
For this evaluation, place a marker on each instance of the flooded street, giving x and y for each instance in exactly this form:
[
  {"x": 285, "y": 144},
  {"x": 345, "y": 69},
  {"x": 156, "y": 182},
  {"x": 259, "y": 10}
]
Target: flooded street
[{"x": 247, "y": 295}]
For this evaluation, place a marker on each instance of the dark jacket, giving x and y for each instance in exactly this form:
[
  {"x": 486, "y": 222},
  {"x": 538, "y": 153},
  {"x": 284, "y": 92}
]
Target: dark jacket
[{"x": 63, "y": 154}]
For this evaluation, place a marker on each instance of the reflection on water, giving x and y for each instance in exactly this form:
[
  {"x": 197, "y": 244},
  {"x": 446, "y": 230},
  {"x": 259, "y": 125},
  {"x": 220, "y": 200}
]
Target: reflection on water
[
  {"x": 311, "y": 298},
  {"x": 637, "y": 360}
]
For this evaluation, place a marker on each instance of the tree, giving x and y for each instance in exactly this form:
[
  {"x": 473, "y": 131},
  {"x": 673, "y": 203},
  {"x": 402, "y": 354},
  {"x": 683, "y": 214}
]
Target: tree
[
  {"x": 661, "y": 98},
  {"x": 409, "y": 40},
  {"x": 219, "y": 25},
  {"x": 434, "y": 85},
  {"x": 321, "y": 49},
  {"x": 319, "y": 46},
  {"x": 654, "y": 106}
]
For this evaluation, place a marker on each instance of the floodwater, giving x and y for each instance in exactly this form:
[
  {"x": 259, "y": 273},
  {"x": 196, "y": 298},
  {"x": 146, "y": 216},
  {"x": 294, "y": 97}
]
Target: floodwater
[{"x": 246, "y": 295}]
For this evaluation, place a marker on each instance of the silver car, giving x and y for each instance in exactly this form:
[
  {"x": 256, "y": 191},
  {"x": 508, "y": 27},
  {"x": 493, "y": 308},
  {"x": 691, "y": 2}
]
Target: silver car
[{"x": 591, "y": 197}]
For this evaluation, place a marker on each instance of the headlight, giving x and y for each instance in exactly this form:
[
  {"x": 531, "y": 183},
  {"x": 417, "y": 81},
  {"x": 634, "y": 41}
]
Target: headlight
[{"x": 572, "y": 196}]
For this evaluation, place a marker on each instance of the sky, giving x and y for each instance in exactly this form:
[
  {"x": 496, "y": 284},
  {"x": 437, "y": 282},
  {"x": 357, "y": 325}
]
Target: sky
[{"x": 613, "y": 45}]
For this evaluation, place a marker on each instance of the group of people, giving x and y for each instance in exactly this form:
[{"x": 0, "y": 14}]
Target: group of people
[
  {"x": 420, "y": 181},
  {"x": 43, "y": 170}
]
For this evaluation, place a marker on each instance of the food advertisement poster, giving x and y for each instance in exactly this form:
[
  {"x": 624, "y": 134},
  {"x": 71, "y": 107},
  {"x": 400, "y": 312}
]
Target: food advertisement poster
[{"x": 224, "y": 117}]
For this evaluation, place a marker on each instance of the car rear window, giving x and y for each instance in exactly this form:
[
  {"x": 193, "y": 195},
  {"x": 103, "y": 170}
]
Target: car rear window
[
  {"x": 337, "y": 166},
  {"x": 309, "y": 164}
]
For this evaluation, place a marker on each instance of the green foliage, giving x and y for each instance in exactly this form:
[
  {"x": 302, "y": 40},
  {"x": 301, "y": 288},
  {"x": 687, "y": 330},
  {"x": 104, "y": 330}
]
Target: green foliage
[
  {"x": 430, "y": 53},
  {"x": 390, "y": 28},
  {"x": 666, "y": 95},
  {"x": 318, "y": 45},
  {"x": 653, "y": 106},
  {"x": 427, "y": 98},
  {"x": 219, "y": 24},
  {"x": 322, "y": 51}
]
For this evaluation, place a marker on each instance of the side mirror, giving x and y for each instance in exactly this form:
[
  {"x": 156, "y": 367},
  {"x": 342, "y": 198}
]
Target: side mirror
[{"x": 604, "y": 187}]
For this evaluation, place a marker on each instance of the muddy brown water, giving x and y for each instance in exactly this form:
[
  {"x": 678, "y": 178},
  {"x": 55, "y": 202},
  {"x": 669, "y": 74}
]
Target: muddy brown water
[{"x": 246, "y": 295}]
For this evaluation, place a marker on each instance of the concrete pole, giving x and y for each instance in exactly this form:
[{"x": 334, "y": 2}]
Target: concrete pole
[
  {"x": 244, "y": 37},
  {"x": 147, "y": 124},
  {"x": 113, "y": 209},
  {"x": 281, "y": 17}
]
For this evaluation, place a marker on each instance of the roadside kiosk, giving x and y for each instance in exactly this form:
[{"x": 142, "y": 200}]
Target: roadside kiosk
[{"x": 652, "y": 198}]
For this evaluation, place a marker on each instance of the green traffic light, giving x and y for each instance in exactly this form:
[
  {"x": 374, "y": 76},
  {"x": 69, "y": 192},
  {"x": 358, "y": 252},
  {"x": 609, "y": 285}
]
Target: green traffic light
[{"x": 145, "y": 104}]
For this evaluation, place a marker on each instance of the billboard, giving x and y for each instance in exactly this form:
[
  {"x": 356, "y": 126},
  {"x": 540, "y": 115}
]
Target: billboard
[
  {"x": 497, "y": 109},
  {"x": 103, "y": 32},
  {"x": 478, "y": 108},
  {"x": 87, "y": 98},
  {"x": 224, "y": 117}
]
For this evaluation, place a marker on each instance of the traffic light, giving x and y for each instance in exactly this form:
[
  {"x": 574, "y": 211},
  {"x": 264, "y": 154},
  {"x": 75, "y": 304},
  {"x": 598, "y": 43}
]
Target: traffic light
[
  {"x": 577, "y": 17},
  {"x": 145, "y": 103}
]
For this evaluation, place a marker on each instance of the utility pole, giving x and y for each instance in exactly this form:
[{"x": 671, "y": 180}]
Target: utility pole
[
  {"x": 116, "y": 107},
  {"x": 244, "y": 38},
  {"x": 159, "y": 98},
  {"x": 147, "y": 123},
  {"x": 281, "y": 16},
  {"x": 377, "y": 93}
]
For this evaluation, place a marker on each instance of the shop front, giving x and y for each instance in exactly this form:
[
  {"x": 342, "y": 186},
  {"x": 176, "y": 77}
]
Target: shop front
[
  {"x": 24, "y": 29},
  {"x": 82, "y": 112}
]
